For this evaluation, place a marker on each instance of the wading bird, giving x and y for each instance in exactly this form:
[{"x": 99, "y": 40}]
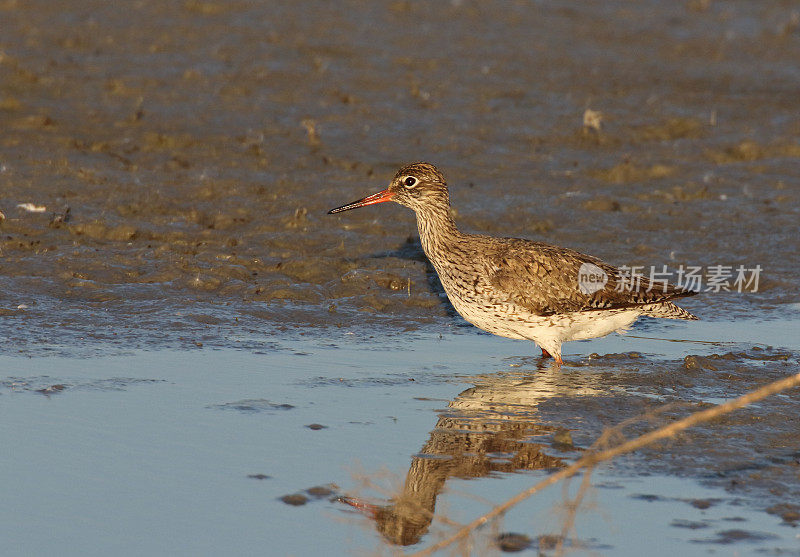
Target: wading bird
[{"x": 518, "y": 288}]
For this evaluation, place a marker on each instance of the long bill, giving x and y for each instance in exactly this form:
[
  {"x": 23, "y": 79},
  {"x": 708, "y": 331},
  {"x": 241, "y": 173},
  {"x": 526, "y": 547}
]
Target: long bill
[{"x": 379, "y": 197}]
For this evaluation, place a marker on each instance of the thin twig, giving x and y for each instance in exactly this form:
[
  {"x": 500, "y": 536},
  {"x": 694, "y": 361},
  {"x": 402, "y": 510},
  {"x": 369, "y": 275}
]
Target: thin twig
[
  {"x": 714, "y": 342},
  {"x": 605, "y": 441},
  {"x": 572, "y": 511},
  {"x": 593, "y": 458}
]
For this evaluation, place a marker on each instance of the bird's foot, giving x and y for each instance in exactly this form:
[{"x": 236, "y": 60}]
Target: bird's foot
[{"x": 557, "y": 357}]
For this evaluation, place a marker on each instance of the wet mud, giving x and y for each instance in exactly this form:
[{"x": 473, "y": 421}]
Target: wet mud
[{"x": 184, "y": 155}]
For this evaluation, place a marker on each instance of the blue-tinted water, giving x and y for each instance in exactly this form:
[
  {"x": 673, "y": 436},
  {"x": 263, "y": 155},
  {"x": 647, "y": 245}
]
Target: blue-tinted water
[{"x": 149, "y": 454}]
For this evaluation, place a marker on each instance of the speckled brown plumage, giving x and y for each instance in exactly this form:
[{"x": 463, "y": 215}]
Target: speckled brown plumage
[{"x": 519, "y": 288}]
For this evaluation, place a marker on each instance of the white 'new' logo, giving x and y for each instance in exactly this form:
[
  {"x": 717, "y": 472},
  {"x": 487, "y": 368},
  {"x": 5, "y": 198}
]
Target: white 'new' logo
[{"x": 591, "y": 278}]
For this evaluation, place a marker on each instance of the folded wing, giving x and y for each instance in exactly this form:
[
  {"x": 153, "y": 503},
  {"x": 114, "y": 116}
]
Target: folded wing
[{"x": 545, "y": 280}]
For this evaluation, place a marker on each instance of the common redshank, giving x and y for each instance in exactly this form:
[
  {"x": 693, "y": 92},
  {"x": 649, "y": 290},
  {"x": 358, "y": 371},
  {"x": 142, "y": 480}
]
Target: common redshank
[{"x": 519, "y": 288}]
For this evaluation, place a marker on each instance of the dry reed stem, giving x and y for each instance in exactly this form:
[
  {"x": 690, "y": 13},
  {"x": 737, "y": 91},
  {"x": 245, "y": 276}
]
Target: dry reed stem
[
  {"x": 572, "y": 507},
  {"x": 593, "y": 458},
  {"x": 606, "y": 439}
]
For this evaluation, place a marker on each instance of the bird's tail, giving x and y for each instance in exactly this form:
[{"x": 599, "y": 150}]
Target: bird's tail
[{"x": 667, "y": 310}]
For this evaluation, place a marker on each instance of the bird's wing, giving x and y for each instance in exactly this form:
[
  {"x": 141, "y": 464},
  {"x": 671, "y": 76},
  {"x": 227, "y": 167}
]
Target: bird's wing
[{"x": 545, "y": 280}]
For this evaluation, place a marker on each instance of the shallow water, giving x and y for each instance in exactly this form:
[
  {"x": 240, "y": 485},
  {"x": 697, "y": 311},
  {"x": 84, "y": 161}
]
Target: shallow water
[
  {"x": 183, "y": 308},
  {"x": 163, "y": 452}
]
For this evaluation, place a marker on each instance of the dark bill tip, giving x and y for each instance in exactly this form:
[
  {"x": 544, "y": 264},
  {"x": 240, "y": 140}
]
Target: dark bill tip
[{"x": 379, "y": 197}]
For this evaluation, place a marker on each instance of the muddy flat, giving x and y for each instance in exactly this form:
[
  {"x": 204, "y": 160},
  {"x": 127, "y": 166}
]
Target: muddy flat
[{"x": 196, "y": 358}]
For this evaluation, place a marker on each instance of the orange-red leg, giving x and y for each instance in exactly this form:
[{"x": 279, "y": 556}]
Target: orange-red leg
[{"x": 546, "y": 354}]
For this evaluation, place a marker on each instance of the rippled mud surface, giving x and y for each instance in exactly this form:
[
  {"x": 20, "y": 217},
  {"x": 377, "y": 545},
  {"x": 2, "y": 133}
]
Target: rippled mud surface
[
  {"x": 197, "y": 146},
  {"x": 192, "y": 348}
]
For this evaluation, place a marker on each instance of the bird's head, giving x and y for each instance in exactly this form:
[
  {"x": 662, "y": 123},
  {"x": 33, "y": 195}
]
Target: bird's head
[{"x": 418, "y": 186}]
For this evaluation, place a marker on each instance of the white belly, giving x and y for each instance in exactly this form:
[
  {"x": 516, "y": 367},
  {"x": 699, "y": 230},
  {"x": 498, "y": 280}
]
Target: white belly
[{"x": 514, "y": 322}]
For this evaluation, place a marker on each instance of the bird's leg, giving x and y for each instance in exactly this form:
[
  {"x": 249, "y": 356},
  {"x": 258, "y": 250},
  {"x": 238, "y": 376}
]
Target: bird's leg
[{"x": 555, "y": 354}]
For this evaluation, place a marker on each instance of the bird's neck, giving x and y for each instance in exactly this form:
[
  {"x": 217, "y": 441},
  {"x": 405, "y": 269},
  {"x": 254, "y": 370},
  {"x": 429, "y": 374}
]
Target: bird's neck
[{"x": 436, "y": 228}]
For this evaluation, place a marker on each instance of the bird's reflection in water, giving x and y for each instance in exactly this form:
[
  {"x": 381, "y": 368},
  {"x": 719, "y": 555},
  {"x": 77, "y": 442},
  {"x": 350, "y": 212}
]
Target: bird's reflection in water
[{"x": 487, "y": 428}]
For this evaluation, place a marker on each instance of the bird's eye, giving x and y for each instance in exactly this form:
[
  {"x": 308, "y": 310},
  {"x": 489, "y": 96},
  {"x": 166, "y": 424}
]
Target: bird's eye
[{"x": 410, "y": 182}]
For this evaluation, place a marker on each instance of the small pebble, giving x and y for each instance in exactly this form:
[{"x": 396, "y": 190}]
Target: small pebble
[
  {"x": 320, "y": 491},
  {"x": 31, "y": 208},
  {"x": 592, "y": 119},
  {"x": 790, "y": 517},
  {"x": 51, "y": 389},
  {"x": 512, "y": 542},
  {"x": 295, "y": 499},
  {"x": 562, "y": 436},
  {"x": 790, "y": 513}
]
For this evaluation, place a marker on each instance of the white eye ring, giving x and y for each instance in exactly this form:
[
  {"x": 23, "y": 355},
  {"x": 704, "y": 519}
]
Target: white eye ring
[{"x": 409, "y": 182}]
